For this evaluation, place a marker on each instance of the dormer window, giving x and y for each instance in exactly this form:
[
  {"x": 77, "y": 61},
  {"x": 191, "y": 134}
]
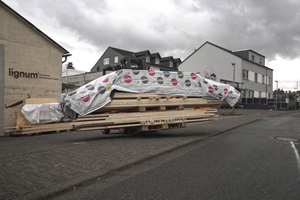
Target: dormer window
[
  {"x": 116, "y": 59},
  {"x": 171, "y": 64},
  {"x": 105, "y": 61},
  {"x": 156, "y": 60},
  {"x": 147, "y": 59},
  {"x": 252, "y": 57}
]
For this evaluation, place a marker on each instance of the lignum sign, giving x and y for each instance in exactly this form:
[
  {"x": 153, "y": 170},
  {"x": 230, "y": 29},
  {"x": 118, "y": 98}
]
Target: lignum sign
[{"x": 17, "y": 74}]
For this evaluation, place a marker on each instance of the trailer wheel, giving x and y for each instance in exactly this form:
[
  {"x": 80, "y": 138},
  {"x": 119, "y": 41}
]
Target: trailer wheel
[{"x": 105, "y": 131}]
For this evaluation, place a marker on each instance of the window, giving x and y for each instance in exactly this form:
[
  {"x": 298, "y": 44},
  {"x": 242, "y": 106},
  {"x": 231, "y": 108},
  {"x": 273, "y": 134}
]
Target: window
[
  {"x": 251, "y": 93},
  {"x": 116, "y": 59},
  {"x": 255, "y": 77},
  {"x": 147, "y": 59},
  {"x": 270, "y": 81},
  {"x": 263, "y": 79},
  {"x": 171, "y": 64},
  {"x": 105, "y": 61},
  {"x": 252, "y": 57},
  {"x": 245, "y": 74},
  {"x": 156, "y": 60}
]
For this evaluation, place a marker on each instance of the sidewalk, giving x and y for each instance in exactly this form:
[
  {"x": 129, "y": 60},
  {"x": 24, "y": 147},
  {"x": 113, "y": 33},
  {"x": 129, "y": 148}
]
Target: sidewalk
[{"x": 32, "y": 167}]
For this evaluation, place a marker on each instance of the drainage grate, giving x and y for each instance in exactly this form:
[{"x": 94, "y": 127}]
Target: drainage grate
[{"x": 286, "y": 139}]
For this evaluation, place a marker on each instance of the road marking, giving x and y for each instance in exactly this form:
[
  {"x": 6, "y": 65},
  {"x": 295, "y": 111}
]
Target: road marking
[{"x": 297, "y": 157}]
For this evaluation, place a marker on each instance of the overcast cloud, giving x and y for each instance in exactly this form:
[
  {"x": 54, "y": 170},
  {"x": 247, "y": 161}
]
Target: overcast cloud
[{"x": 171, "y": 27}]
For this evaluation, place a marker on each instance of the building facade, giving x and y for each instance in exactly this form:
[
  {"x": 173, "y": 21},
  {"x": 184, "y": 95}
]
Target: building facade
[
  {"x": 245, "y": 68},
  {"x": 30, "y": 64},
  {"x": 113, "y": 56}
]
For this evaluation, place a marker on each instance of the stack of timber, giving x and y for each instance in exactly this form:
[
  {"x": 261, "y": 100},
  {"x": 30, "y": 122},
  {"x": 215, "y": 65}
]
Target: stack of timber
[{"x": 132, "y": 113}]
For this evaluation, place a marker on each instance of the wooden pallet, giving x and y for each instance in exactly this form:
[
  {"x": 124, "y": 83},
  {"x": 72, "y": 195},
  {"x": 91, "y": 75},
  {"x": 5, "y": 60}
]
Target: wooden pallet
[{"x": 144, "y": 112}]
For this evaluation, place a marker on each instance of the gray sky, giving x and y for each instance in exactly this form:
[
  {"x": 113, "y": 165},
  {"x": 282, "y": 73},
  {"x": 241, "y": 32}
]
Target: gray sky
[{"x": 172, "y": 27}]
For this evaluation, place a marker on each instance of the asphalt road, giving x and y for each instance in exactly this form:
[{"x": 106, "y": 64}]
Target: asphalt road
[{"x": 255, "y": 161}]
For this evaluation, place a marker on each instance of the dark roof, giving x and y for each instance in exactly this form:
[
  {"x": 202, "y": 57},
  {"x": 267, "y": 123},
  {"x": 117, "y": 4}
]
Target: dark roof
[
  {"x": 167, "y": 58},
  {"x": 177, "y": 60},
  {"x": 243, "y": 50},
  {"x": 123, "y": 52},
  {"x": 141, "y": 53},
  {"x": 154, "y": 55},
  {"x": 34, "y": 27}
]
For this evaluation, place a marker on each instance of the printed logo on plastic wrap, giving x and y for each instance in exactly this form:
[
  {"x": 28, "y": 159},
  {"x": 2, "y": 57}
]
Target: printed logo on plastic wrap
[
  {"x": 86, "y": 98},
  {"x": 188, "y": 83},
  {"x": 101, "y": 89},
  {"x": 62, "y": 105},
  {"x": 105, "y": 80},
  {"x": 194, "y": 76},
  {"x": 151, "y": 72},
  {"x": 160, "y": 80},
  {"x": 225, "y": 91},
  {"x": 72, "y": 93},
  {"x": 127, "y": 78},
  {"x": 89, "y": 87},
  {"x": 166, "y": 73},
  {"x": 180, "y": 75},
  {"x": 144, "y": 79},
  {"x": 211, "y": 89},
  {"x": 215, "y": 87},
  {"x": 136, "y": 72},
  {"x": 174, "y": 81},
  {"x": 220, "y": 96}
]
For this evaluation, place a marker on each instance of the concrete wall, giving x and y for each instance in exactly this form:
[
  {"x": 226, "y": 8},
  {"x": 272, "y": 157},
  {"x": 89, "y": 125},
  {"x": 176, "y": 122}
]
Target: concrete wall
[
  {"x": 29, "y": 52},
  {"x": 1, "y": 89},
  {"x": 82, "y": 79}
]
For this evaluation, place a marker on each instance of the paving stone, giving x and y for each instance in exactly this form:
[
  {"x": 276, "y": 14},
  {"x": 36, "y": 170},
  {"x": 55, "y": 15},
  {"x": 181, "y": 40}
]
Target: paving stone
[{"x": 35, "y": 164}]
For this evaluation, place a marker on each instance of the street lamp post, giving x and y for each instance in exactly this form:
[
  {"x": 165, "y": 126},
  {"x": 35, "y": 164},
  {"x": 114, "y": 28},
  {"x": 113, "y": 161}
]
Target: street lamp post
[
  {"x": 276, "y": 95},
  {"x": 233, "y": 64},
  {"x": 233, "y": 81}
]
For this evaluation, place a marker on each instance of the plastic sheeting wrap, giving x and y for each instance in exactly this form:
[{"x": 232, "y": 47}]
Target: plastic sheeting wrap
[
  {"x": 96, "y": 94},
  {"x": 42, "y": 113}
]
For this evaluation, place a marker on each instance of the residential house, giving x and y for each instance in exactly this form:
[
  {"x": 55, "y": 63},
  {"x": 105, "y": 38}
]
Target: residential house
[
  {"x": 113, "y": 56},
  {"x": 245, "y": 68}
]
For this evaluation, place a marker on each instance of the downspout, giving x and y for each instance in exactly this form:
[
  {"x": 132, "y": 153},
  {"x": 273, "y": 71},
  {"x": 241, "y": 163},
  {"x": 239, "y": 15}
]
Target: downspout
[
  {"x": 66, "y": 57},
  {"x": 267, "y": 83}
]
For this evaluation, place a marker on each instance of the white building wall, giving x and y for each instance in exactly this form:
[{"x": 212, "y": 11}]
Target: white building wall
[{"x": 212, "y": 57}]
